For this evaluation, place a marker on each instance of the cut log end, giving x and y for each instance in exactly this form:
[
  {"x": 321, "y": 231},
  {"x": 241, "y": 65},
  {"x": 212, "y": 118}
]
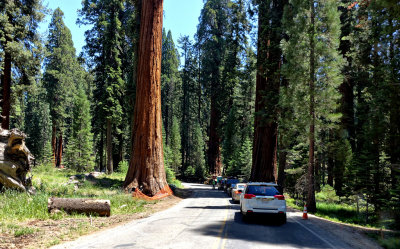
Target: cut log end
[
  {"x": 15, "y": 160},
  {"x": 81, "y": 206}
]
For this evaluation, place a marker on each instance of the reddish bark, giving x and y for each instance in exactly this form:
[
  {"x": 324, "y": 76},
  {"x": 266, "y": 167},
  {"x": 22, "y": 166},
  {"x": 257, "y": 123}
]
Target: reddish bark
[
  {"x": 146, "y": 169},
  {"x": 214, "y": 148},
  {"x": 54, "y": 144},
  {"x": 269, "y": 59},
  {"x": 6, "y": 87},
  {"x": 59, "y": 150}
]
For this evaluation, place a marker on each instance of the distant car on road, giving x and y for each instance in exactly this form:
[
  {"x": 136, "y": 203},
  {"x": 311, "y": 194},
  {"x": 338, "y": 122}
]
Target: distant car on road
[
  {"x": 221, "y": 183},
  {"x": 228, "y": 184},
  {"x": 262, "y": 198},
  {"x": 237, "y": 191}
]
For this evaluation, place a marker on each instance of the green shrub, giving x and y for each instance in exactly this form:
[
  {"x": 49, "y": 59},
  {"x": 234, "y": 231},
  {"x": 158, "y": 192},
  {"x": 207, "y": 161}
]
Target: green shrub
[
  {"x": 327, "y": 194},
  {"x": 190, "y": 171},
  {"x": 24, "y": 231},
  {"x": 123, "y": 167},
  {"x": 391, "y": 243},
  {"x": 171, "y": 179}
]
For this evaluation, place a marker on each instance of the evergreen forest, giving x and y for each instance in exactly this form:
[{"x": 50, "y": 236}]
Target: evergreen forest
[{"x": 302, "y": 93}]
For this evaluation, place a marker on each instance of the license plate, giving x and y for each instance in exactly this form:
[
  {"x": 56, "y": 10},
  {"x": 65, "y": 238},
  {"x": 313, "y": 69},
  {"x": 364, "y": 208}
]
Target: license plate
[{"x": 265, "y": 199}]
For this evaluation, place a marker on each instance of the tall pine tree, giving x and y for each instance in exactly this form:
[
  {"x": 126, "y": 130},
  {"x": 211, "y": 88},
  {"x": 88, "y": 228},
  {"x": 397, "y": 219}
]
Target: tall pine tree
[
  {"x": 59, "y": 80},
  {"x": 313, "y": 69},
  {"x": 20, "y": 47}
]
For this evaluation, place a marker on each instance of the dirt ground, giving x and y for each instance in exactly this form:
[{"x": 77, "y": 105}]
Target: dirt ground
[{"x": 52, "y": 232}]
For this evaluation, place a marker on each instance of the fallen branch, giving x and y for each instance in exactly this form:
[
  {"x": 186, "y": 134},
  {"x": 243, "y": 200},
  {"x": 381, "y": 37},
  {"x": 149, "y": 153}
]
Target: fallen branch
[{"x": 86, "y": 206}]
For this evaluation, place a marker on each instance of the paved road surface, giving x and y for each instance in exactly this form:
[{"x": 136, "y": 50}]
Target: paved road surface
[{"x": 209, "y": 220}]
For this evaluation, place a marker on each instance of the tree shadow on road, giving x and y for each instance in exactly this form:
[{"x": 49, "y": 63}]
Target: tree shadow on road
[
  {"x": 206, "y": 192},
  {"x": 260, "y": 229},
  {"x": 215, "y": 207}
]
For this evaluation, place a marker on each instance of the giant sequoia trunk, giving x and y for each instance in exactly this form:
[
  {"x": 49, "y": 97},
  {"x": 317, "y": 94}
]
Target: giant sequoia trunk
[
  {"x": 214, "y": 144},
  {"x": 57, "y": 146},
  {"x": 269, "y": 60},
  {"x": 146, "y": 170},
  {"x": 6, "y": 87}
]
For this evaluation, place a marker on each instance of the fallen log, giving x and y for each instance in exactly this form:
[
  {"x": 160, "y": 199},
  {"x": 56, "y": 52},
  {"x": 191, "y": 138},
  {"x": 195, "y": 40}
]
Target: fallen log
[{"x": 82, "y": 206}]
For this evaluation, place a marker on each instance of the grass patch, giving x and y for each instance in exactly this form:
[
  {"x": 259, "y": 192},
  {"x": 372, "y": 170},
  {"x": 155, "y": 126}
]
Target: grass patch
[
  {"x": 18, "y": 206},
  {"x": 53, "y": 242},
  {"x": 339, "y": 212},
  {"x": 25, "y": 231},
  {"x": 390, "y": 243},
  {"x": 386, "y": 240},
  {"x": 17, "y": 230},
  {"x": 20, "y": 211}
]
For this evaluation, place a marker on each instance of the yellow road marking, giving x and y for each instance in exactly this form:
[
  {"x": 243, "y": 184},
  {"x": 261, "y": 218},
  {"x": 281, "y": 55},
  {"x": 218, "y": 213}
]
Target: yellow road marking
[
  {"x": 222, "y": 236},
  {"x": 224, "y": 241}
]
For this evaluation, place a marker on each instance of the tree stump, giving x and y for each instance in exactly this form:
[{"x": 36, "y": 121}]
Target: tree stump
[
  {"x": 15, "y": 160},
  {"x": 81, "y": 206}
]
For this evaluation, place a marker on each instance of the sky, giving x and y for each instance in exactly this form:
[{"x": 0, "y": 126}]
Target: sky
[{"x": 180, "y": 16}]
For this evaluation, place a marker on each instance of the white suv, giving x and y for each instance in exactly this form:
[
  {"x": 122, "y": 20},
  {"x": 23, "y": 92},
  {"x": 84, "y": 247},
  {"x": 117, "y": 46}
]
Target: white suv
[{"x": 262, "y": 198}]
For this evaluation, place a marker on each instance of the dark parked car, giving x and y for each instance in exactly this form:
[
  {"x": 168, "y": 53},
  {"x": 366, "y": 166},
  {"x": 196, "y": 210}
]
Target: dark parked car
[
  {"x": 229, "y": 182},
  {"x": 221, "y": 183}
]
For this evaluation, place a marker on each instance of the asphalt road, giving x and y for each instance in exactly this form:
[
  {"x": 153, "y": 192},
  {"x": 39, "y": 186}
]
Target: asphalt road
[{"x": 209, "y": 219}]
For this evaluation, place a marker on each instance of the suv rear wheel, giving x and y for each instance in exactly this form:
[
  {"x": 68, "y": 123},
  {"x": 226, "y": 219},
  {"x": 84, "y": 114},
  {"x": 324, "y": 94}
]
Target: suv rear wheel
[
  {"x": 282, "y": 219},
  {"x": 245, "y": 217}
]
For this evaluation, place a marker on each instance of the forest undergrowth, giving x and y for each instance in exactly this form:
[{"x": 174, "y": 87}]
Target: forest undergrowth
[
  {"x": 344, "y": 210},
  {"x": 20, "y": 212}
]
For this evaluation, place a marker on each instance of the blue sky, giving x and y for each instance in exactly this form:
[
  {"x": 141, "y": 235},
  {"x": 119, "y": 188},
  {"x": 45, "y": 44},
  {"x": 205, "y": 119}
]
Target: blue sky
[{"x": 180, "y": 16}]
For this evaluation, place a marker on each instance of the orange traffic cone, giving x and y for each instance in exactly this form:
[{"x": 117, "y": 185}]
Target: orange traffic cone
[{"x": 305, "y": 216}]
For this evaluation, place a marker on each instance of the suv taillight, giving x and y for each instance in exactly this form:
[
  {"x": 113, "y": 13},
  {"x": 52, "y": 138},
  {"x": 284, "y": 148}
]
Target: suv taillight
[
  {"x": 279, "y": 197},
  {"x": 249, "y": 196}
]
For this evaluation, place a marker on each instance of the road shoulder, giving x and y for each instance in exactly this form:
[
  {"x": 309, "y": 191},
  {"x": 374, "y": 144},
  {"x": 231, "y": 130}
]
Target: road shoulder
[{"x": 354, "y": 236}]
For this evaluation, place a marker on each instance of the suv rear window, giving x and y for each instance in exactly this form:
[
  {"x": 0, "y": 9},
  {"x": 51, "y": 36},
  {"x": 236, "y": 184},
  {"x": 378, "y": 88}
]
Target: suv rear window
[
  {"x": 262, "y": 190},
  {"x": 232, "y": 181}
]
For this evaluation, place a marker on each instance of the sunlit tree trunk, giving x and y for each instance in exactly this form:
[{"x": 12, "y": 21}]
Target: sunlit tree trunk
[{"x": 146, "y": 169}]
